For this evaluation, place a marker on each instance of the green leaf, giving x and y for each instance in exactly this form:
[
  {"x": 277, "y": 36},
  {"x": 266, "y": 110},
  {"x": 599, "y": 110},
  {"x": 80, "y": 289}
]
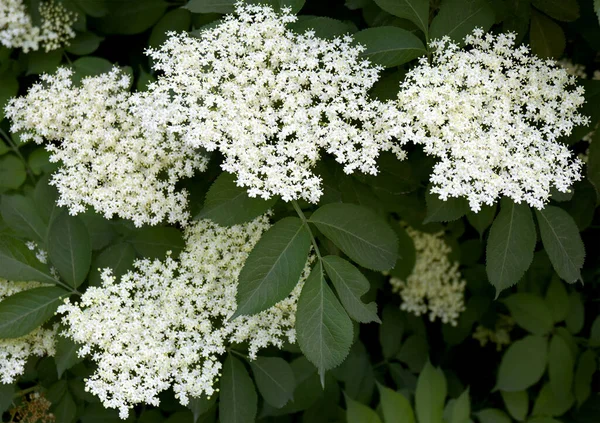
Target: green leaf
[
  {"x": 274, "y": 266},
  {"x": 391, "y": 331},
  {"x": 561, "y": 364},
  {"x": 493, "y": 415},
  {"x": 323, "y": 328},
  {"x": 178, "y": 20},
  {"x": 557, "y": 299},
  {"x": 416, "y": 11},
  {"x": 389, "y": 46},
  {"x": 118, "y": 257},
  {"x": 351, "y": 285},
  {"x": 155, "y": 241},
  {"x": 279, "y": 5},
  {"x": 482, "y": 219},
  {"x": 510, "y": 245},
  {"x": 21, "y": 214},
  {"x": 227, "y": 204},
  {"x": 90, "y": 66},
  {"x": 21, "y": 264},
  {"x": 323, "y": 26},
  {"x": 396, "y": 408},
  {"x": 517, "y": 404},
  {"x": 561, "y": 10},
  {"x": 530, "y": 312},
  {"x": 66, "y": 355},
  {"x": 562, "y": 242},
  {"x": 430, "y": 395},
  {"x": 84, "y": 43},
  {"x": 548, "y": 404},
  {"x": 66, "y": 409},
  {"x": 359, "y": 413},
  {"x": 131, "y": 16},
  {"x": 586, "y": 367},
  {"x": 238, "y": 399},
  {"x": 576, "y": 315},
  {"x": 461, "y": 411},
  {"x": 9, "y": 87},
  {"x": 595, "y": 333},
  {"x": 414, "y": 352},
  {"x": 26, "y": 310},
  {"x": 546, "y": 37},
  {"x": 210, "y": 6},
  {"x": 96, "y": 8},
  {"x": 6, "y": 396},
  {"x": 12, "y": 170},
  {"x": 275, "y": 380},
  {"x": 202, "y": 405},
  {"x": 361, "y": 234},
  {"x": 458, "y": 18},
  {"x": 39, "y": 62},
  {"x": 444, "y": 211},
  {"x": 70, "y": 248},
  {"x": 523, "y": 364}
]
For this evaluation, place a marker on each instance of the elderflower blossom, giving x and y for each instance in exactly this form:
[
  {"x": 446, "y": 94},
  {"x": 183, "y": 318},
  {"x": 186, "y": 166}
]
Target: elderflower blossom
[
  {"x": 17, "y": 29},
  {"x": 493, "y": 114},
  {"x": 14, "y": 352},
  {"x": 116, "y": 153},
  {"x": 435, "y": 285},
  {"x": 166, "y": 322},
  {"x": 272, "y": 101}
]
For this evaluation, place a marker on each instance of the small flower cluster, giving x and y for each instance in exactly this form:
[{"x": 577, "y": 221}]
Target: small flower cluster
[
  {"x": 117, "y": 154},
  {"x": 166, "y": 323},
  {"x": 500, "y": 335},
  {"x": 15, "y": 352},
  {"x": 435, "y": 285},
  {"x": 17, "y": 29},
  {"x": 493, "y": 114},
  {"x": 272, "y": 101}
]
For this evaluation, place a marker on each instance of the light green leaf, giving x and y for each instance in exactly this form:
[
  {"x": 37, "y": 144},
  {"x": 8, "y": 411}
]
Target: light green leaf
[
  {"x": 155, "y": 241},
  {"x": 66, "y": 355},
  {"x": 510, "y": 245},
  {"x": 557, "y": 299},
  {"x": 210, "y": 6},
  {"x": 548, "y": 404},
  {"x": 546, "y": 37},
  {"x": 461, "y": 410},
  {"x": 274, "y": 266},
  {"x": 561, "y": 364},
  {"x": 530, "y": 312},
  {"x": 238, "y": 399},
  {"x": 430, "y": 395},
  {"x": 586, "y": 367},
  {"x": 359, "y": 413},
  {"x": 389, "y": 46},
  {"x": 323, "y": 26},
  {"x": 21, "y": 214},
  {"x": 351, "y": 285},
  {"x": 493, "y": 415},
  {"x": 21, "y": 264},
  {"x": 416, "y": 11},
  {"x": 482, "y": 219},
  {"x": 562, "y": 242},
  {"x": 70, "y": 248},
  {"x": 396, "y": 408},
  {"x": 458, "y": 18},
  {"x": 523, "y": 364},
  {"x": 275, "y": 380},
  {"x": 12, "y": 170},
  {"x": 227, "y": 204},
  {"x": 26, "y": 310},
  {"x": 323, "y": 328},
  {"x": 444, "y": 211},
  {"x": 561, "y": 10},
  {"x": 517, "y": 404},
  {"x": 361, "y": 234}
]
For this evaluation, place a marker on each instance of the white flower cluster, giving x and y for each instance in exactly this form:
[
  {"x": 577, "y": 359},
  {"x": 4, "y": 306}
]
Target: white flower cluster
[
  {"x": 117, "y": 154},
  {"x": 166, "y": 323},
  {"x": 492, "y": 114},
  {"x": 17, "y": 29},
  {"x": 15, "y": 352},
  {"x": 272, "y": 101},
  {"x": 435, "y": 284}
]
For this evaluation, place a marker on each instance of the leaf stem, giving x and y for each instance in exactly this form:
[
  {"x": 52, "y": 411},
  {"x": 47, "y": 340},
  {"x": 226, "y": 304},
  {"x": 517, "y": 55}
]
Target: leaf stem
[{"x": 305, "y": 222}]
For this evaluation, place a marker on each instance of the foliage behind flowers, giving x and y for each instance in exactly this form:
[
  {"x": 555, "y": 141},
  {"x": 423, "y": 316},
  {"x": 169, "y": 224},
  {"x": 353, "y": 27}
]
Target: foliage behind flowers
[{"x": 299, "y": 211}]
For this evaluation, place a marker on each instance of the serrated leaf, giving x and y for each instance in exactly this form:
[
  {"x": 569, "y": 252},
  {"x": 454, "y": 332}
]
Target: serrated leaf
[
  {"x": 561, "y": 10},
  {"x": 561, "y": 364},
  {"x": 361, "y": 234},
  {"x": 274, "y": 266},
  {"x": 70, "y": 248},
  {"x": 546, "y": 37},
  {"x": 416, "y": 11},
  {"x": 389, "y": 46},
  {"x": 530, "y": 312},
  {"x": 517, "y": 404},
  {"x": 523, "y": 364},
  {"x": 275, "y": 380},
  {"x": 439, "y": 210},
  {"x": 395, "y": 407},
  {"x": 430, "y": 395},
  {"x": 26, "y": 310},
  {"x": 66, "y": 355},
  {"x": 562, "y": 242},
  {"x": 359, "y": 413},
  {"x": 457, "y": 18},
  {"x": 154, "y": 242},
  {"x": 323, "y": 328},
  {"x": 238, "y": 399},
  {"x": 510, "y": 245},
  {"x": 351, "y": 285},
  {"x": 210, "y": 6},
  {"x": 21, "y": 214},
  {"x": 227, "y": 204},
  {"x": 21, "y": 264},
  {"x": 586, "y": 367}
]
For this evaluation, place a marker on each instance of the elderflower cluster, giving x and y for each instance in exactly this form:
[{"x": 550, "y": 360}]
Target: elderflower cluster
[
  {"x": 493, "y": 114},
  {"x": 435, "y": 285},
  {"x": 272, "y": 101},
  {"x": 116, "y": 152},
  {"x": 17, "y": 29},
  {"x": 14, "y": 352},
  {"x": 166, "y": 322}
]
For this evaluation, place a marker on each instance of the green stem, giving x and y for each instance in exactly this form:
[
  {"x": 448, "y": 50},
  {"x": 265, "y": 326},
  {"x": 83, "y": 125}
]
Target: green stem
[
  {"x": 18, "y": 153},
  {"x": 25, "y": 391},
  {"x": 305, "y": 222},
  {"x": 239, "y": 354}
]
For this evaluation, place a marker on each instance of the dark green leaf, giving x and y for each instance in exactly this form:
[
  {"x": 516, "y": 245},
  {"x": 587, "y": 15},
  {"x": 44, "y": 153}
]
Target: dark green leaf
[
  {"x": 39, "y": 161},
  {"x": 430, "y": 395},
  {"x": 279, "y": 5},
  {"x": 510, "y": 246},
  {"x": 178, "y": 20},
  {"x": 12, "y": 170},
  {"x": 45, "y": 197},
  {"x": 482, "y": 219},
  {"x": 237, "y": 402},
  {"x": 66, "y": 410},
  {"x": 391, "y": 331},
  {"x": 90, "y": 66},
  {"x": 546, "y": 37},
  {"x": 200, "y": 406},
  {"x": 70, "y": 248},
  {"x": 21, "y": 214},
  {"x": 6, "y": 396},
  {"x": 414, "y": 352},
  {"x": 517, "y": 404},
  {"x": 275, "y": 380},
  {"x": 26, "y": 310},
  {"x": 118, "y": 257},
  {"x": 530, "y": 312},
  {"x": 595, "y": 333},
  {"x": 9, "y": 87},
  {"x": 131, "y": 16},
  {"x": 561, "y": 365},
  {"x": 66, "y": 355},
  {"x": 323, "y": 26},
  {"x": 323, "y": 328},
  {"x": 359, "y": 413},
  {"x": 416, "y": 11},
  {"x": 395, "y": 406},
  {"x": 84, "y": 43},
  {"x": 548, "y": 404},
  {"x": 351, "y": 285},
  {"x": 96, "y": 8},
  {"x": 523, "y": 364},
  {"x": 361, "y": 234},
  {"x": 43, "y": 62},
  {"x": 389, "y": 46},
  {"x": 21, "y": 264},
  {"x": 575, "y": 317},
  {"x": 561, "y": 10},
  {"x": 227, "y": 204},
  {"x": 586, "y": 367},
  {"x": 458, "y": 18},
  {"x": 210, "y": 6},
  {"x": 154, "y": 242},
  {"x": 557, "y": 299},
  {"x": 562, "y": 242},
  {"x": 444, "y": 211},
  {"x": 406, "y": 252},
  {"x": 493, "y": 415},
  {"x": 274, "y": 266}
]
